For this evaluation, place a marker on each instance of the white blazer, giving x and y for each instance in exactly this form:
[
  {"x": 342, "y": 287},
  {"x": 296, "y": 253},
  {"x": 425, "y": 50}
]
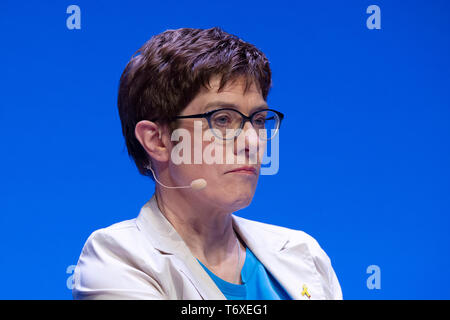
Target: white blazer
[{"x": 145, "y": 258}]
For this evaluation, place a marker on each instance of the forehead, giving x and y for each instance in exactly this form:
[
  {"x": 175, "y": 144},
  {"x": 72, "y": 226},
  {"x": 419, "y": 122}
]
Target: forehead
[{"x": 233, "y": 92}]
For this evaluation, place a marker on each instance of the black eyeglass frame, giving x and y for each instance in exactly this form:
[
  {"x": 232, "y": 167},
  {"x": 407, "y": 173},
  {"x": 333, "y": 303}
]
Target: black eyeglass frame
[{"x": 208, "y": 115}]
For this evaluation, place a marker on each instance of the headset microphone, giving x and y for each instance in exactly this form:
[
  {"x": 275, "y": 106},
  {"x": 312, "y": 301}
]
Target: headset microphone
[{"x": 196, "y": 184}]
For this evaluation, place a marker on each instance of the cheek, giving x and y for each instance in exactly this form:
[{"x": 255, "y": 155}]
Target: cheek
[{"x": 261, "y": 150}]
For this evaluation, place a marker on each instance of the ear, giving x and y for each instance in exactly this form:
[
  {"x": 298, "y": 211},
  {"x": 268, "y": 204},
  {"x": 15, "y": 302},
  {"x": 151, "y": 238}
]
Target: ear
[{"x": 150, "y": 137}]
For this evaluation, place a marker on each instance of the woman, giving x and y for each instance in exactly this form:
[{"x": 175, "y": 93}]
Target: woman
[{"x": 206, "y": 90}]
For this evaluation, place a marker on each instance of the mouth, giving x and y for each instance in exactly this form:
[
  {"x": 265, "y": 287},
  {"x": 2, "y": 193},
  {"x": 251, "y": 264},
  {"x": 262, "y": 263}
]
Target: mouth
[{"x": 244, "y": 170}]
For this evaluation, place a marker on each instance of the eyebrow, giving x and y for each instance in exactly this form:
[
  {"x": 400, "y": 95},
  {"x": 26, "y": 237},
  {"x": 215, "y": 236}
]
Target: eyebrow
[{"x": 231, "y": 105}]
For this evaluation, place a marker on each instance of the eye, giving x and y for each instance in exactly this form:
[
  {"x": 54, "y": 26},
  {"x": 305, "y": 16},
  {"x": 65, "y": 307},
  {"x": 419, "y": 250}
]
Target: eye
[
  {"x": 222, "y": 120},
  {"x": 259, "y": 121}
]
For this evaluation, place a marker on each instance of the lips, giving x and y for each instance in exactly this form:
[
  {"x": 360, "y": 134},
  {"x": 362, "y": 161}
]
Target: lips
[{"x": 244, "y": 170}]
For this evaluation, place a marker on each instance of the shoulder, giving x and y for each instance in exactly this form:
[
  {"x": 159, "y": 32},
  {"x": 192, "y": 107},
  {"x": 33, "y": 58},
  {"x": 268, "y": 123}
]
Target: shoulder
[
  {"x": 122, "y": 242},
  {"x": 111, "y": 265},
  {"x": 119, "y": 241},
  {"x": 114, "y": 236}
]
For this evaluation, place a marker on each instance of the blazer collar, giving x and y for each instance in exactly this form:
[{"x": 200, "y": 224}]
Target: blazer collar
[
  {"x": 166, "y": 239},
  {"x": 163, "y": 236},
  {"x": 158, "y": 229},
  {"x": 269, "y": 247}
]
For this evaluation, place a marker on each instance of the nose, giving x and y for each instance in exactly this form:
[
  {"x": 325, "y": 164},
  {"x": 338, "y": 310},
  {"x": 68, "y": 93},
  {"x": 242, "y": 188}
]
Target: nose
[
  {"x": 251, "y": 136},
  {"x": 248, "y": 142}
]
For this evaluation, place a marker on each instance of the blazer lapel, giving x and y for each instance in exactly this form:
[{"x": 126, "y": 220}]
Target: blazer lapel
[
  {"x": 290, "y": 263},
  {"x": 165, "y": 238}
]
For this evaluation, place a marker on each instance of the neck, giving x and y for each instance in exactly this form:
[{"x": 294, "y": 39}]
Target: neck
[{"x": 206, "y": 230}]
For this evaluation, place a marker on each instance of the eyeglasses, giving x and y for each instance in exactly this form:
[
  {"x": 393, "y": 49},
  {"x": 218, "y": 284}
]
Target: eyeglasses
[{"x": 227, "y": 123}]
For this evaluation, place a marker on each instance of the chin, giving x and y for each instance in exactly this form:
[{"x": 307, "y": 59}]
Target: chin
[{"x": 239, "y": 199}]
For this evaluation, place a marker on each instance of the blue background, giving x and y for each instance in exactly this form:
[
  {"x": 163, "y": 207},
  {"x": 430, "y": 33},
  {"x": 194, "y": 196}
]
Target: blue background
[{"x": 365, "y": 148}]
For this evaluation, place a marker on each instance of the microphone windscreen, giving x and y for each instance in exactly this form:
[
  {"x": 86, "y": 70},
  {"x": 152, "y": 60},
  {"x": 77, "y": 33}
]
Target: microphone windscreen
[{"x": 198, "y": 184}]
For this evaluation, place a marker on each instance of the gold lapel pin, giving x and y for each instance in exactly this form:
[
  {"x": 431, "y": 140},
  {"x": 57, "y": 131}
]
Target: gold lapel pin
[{"x": 305, "y": 292}]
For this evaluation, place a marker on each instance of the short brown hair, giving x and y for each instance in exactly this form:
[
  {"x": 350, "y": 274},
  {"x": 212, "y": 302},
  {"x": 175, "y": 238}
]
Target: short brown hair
[{"x": 167, "y": 72}]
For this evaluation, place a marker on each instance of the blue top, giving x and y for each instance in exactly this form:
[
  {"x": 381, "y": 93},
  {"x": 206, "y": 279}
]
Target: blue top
[{"x": 257, "y": 282}]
